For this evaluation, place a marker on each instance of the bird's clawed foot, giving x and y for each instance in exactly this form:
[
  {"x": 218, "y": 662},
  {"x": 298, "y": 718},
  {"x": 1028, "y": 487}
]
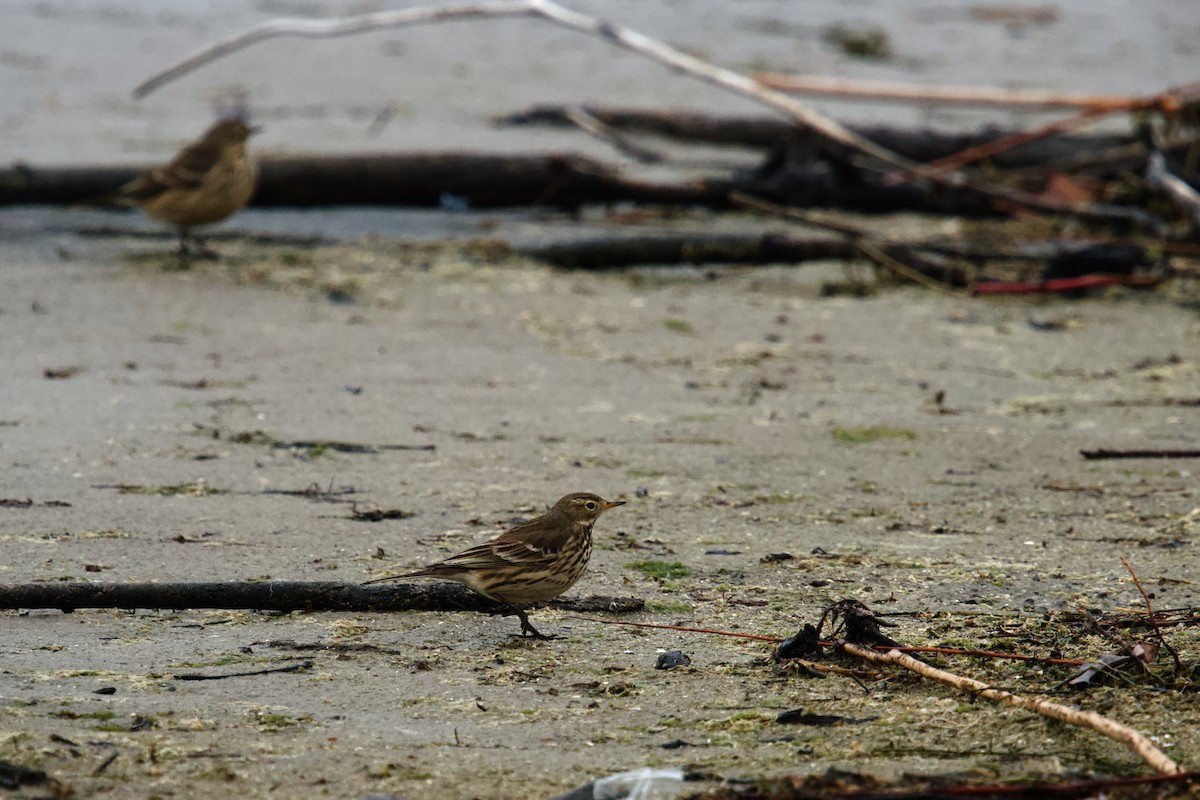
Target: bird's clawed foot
[
  {"x": 191, "y": 247},
  {"x": 527, "y": 628}
]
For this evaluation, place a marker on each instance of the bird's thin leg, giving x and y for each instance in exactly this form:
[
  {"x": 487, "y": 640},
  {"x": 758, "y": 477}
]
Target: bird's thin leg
[
  {"x": 184, "y": 250},
  {"x": 204, "y": 250},
  {"x": 527, "y": 626}
]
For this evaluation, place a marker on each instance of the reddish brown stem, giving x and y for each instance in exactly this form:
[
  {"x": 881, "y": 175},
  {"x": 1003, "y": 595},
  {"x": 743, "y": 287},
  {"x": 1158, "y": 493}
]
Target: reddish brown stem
[{"x": 1151, "y": 618}]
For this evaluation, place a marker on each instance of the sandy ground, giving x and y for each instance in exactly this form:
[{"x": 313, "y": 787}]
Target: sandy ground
[
  {"x": 726, "y": 409},
  {"x": 739, "y": 412}
]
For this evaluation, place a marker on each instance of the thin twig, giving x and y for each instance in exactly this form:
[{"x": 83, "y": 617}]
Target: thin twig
[
  {"x": 1094, "y": 455},
  {"x": 103, "y": 765},
  {"x": 997, "y": 146},
  {"x": 1168, "y": 102},
  {"x": 855, "y": 89},
  {"x": 1150, "y": 617},
  {"x": 949, "y": 651},
  {"x": 886, "y": 261},
  {"x": 588, "y": 123},
  {"x": 199, "y": 676},
  {"x": 857, "y": 236},
  {"x": 1135, "y": 741},
  {"x": 684, "y": 628},
  {"x": 788, "y": 212}
]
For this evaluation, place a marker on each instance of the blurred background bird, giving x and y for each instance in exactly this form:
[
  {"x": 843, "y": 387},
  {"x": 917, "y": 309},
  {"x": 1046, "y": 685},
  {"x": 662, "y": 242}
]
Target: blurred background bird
[{"x": 208, "y": 181}]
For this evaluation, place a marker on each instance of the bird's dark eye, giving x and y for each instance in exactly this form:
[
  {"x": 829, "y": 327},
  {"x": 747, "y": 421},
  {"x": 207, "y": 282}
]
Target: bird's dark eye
[{"x": 589, "y": 505}]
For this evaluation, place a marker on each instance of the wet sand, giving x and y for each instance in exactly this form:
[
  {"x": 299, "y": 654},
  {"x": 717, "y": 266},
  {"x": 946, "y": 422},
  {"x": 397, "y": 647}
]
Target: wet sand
[
  {"x": 740, "y": 413},
  {"x": 740, "y": 416}
]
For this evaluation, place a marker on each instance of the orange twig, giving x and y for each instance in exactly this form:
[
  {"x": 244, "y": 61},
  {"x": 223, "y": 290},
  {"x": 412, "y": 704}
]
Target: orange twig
[
  {"x": 950, "y": 651},
  {"x": 680, "y": 628},
  {"x": 997, "y": 146},
  {"x": 1169, "y": 102},
  {"x": 1150, "y": 616},
  {"x": 820, "y": 86}
]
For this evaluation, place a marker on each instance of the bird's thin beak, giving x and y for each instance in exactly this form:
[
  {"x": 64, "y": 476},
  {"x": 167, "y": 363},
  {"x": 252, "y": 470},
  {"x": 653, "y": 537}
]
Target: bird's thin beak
[{"x": 613, "y": 504}]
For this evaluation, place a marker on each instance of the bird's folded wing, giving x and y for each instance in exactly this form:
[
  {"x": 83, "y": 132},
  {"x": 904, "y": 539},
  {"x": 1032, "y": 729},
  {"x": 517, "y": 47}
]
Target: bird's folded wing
[
  {"x": 187, "y": 171},
  {"x": 495, "y": 554}
]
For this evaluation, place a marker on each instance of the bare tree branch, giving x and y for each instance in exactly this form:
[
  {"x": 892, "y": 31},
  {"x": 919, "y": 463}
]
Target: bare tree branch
[{"x": 552, "y": 12}]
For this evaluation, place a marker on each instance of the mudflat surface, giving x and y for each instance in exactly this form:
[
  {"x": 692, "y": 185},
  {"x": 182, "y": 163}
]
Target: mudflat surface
[{"x": 739, "y": 413}]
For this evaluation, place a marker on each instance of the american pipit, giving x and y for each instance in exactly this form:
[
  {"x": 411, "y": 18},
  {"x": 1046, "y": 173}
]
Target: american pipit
[
  {"x": 535, "y": 561},
  {"x": 209, "y": 180}
]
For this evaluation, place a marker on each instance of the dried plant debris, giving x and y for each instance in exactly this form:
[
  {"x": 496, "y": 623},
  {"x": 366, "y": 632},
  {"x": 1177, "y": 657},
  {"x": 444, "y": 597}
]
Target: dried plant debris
[
  {"x": 312, "y": 447},
  {"x": 12, "y": 502},
  {"x": 377, "y": 514}
]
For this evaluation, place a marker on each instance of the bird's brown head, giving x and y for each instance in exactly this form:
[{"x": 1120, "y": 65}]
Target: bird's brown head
[
  {"x": 230, "y": 131},
  {"x": 584, "y": 507}
]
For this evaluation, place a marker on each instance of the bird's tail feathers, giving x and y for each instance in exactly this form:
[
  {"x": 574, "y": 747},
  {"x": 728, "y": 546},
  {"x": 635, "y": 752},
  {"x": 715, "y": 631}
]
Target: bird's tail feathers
[{"x": 432, "y": 571}]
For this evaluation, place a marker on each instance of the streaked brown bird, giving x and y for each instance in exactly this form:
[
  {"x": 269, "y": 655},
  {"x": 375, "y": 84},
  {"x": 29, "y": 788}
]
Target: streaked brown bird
[
  {"x": 209, "y": 180},
  {"x": 535, "y": 561}
]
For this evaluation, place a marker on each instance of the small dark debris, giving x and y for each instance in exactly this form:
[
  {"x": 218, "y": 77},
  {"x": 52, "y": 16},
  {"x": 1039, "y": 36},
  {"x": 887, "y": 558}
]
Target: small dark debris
[
  {"x": 864, "y": 42},
  {"x": 199, "y": 384},
  {"x": 722, "y": 552},
  {"x": 353, "y": 390},
  {"x": 60, "y": 373},
  {"x": 856, "y": 622},
  {"x": 642, "y": 491},
  {"x": 819, "y": 583},
  {"x": 314, "y": 491},
  {"x": 1151, "y": 362},
  {"x": 377, "y": 514},
  {"x": 106, "y": 762},
  {"x": 675, "y": 744},
  {"x": 141, "y": 722},
  {"x": 806, "y": 642},
  {"x": 14, "y": 775},
  {"x": 11, "y": 502},
  {"x": 772, "y": 558},
  {"x": 1095, "y": 672},
  {"x": 797, "y": 716},
  {"x": 106, "y": 690},
  {"x": 1051, "y": 324},
  {"x": 193, "y": 676},
  {"x": 673, "y": 659}
]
